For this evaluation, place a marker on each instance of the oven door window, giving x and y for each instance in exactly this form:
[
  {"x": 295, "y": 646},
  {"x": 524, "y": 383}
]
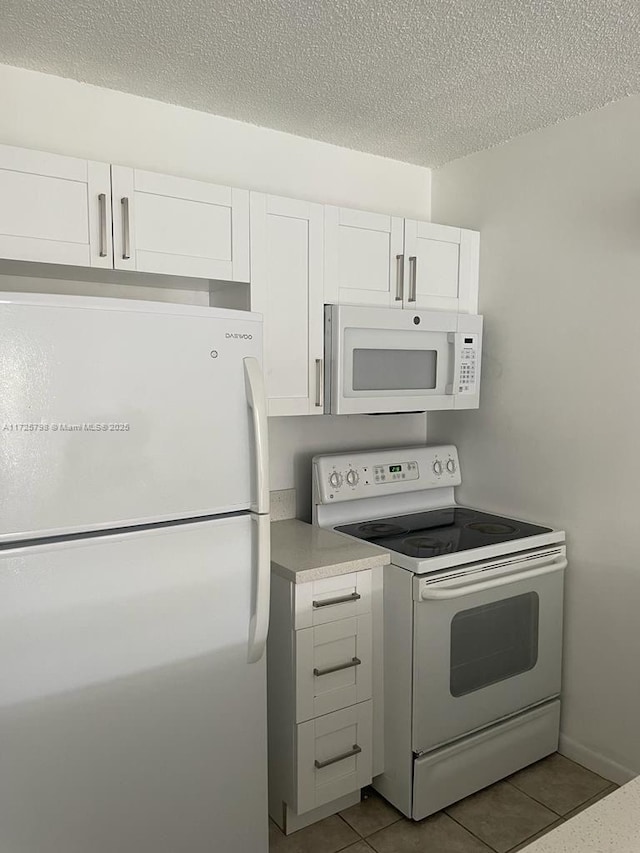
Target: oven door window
[
  {"x": 493, "y": 642},
  {"x": 394, "y": 369}
]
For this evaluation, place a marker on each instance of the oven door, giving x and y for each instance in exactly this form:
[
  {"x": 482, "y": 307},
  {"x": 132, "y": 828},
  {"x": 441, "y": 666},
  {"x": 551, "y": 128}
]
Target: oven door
[
  {"x": 381, "y": 360},
  {"x": 487, "y": 644}
]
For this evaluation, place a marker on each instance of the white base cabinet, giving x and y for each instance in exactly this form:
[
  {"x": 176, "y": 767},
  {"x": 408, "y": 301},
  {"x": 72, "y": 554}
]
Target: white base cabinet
[
  {"x": 324, "y": 679},
  {"x": 372, "y": 259},
  {"x": 287, "y": 289}
]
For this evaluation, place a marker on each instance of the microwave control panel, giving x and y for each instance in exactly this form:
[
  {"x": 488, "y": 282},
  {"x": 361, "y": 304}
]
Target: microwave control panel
[
  {"x": 467, "y": 346},
  {"x": 373, "y": 473}
]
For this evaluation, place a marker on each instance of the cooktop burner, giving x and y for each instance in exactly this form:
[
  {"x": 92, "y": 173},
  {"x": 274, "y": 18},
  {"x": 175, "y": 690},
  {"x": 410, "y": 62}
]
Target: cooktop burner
[
  {"x": 441, "y": 531},
  {"x": 492, "y": 529},
  {"x": 373, "y": 529},
  {"x": 428, "y": 546}
]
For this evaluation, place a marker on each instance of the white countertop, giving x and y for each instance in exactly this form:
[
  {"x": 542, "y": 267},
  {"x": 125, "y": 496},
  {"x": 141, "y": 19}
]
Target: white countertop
[
  {"x": 611, "y": 825},
  {"x": 301, "y": 552}
]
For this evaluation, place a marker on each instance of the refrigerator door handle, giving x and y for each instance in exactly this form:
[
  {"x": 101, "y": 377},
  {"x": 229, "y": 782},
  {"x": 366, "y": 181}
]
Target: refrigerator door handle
[
  {"x": 256, "y": 399},
  {"x": 259, "y": 623}
]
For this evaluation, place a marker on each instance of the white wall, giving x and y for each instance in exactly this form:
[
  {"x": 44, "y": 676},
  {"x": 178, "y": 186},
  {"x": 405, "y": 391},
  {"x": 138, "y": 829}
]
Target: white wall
[
  {"x": 55, "y": 114},
  {"x": 60, "y": 115},
  {"x": 556, "y": 436}
]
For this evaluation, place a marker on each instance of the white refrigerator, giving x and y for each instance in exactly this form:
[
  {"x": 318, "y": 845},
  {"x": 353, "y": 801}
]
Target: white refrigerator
[{"x": 134, "y": 578}]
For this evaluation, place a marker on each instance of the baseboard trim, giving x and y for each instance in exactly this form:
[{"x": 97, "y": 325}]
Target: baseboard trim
[{"x": 594, "y": 761}]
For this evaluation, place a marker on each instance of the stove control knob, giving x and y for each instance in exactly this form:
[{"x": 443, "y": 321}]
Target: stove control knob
[
  {"x": 437, "y": 467},
  {"x": 352, "y": 478},
  {"x": 335, "y": 480},
  {"x": 451, "y": 466}
]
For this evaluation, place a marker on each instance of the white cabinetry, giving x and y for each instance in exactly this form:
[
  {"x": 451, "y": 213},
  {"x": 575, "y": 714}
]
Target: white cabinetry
[
  {"x": 324, "y": 694},
  {"x": 441, "y": 269},
  {"x": 373, "y": 259},
  {"x": 361, "y": 251},
  {"x": 333, "y": 756},
  {"x": 287, "y": 289},
  {"x": 54, "y": 209},
  {"x": 177, "y": 226},
  {"x": 59, "y": 210}
]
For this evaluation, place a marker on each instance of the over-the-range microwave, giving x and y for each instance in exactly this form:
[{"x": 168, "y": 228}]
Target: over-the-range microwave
[{"x": 381, "y": 360}]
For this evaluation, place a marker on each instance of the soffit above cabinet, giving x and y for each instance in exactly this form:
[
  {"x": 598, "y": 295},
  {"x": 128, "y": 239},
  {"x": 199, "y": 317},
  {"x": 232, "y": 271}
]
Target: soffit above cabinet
[{"x": 422, "y": 82}]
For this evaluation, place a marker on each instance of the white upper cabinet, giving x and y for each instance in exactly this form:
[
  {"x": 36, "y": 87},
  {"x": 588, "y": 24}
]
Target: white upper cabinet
[
  {"x": 54, "y": 209},
  {"x": 442, "y": 267},
  {"x": 373, "y": 259},
  {"x": 178, "y": 226},
  {"x": 286, "y": 288},
  {"x": 363, "y": 254}
]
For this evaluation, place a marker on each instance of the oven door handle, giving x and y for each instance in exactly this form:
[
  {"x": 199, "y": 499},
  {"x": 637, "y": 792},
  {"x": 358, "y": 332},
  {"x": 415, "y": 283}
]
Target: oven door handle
[{"x": 434, "y": 594}]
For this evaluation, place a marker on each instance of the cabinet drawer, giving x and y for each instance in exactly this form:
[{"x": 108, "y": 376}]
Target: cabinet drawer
[
  {"x": 330, "y": 599},
  {"x": 333, "y": 666},
  {"x": 334, "y": 756}
]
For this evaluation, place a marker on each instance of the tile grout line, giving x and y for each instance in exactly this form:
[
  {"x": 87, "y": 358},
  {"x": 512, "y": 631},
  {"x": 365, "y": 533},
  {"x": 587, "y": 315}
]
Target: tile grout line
[
  {"x": 546, "y": 806},
  {"x": 541, "y": 833},
  {"x": 466, "y": 829},
  {"x": 539, "y": 802},
  {"x": 490, "y": 846},
  {"x": 360, "y": 837},
  {"x": 382, "y": 828}
]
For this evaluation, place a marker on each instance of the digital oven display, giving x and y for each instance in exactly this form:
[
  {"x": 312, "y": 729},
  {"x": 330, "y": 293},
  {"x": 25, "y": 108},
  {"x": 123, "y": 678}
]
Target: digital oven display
[{"x": 395, "y": 469}]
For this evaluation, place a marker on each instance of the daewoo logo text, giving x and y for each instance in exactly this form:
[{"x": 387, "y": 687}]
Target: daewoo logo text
[{"x": 239, "y": 336}]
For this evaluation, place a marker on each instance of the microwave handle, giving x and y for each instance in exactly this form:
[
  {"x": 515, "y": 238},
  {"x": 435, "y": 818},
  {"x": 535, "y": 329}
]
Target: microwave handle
[
  {"x": 435, "y": 594},
  {"x": 454, "y": 343}
]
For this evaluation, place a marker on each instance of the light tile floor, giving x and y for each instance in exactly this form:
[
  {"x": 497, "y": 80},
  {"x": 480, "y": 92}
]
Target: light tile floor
[{"x": 504, "y": 818}]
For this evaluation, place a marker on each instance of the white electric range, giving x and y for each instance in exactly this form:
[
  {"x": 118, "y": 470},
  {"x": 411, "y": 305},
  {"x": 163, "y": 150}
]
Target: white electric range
[{"x": 472, "y": 623}]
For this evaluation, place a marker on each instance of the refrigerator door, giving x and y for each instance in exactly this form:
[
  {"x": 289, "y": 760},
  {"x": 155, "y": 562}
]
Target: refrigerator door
[
  {"x": 116, "y": 412},
  {"x": 130, "y": 719}
]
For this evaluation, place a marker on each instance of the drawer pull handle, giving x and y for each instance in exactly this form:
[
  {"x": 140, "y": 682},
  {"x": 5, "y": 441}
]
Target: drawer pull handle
[
  {"x": 338, "y": 667},
  {"x": 355, "y": 750},
  {"x": 343, "y": 599}
]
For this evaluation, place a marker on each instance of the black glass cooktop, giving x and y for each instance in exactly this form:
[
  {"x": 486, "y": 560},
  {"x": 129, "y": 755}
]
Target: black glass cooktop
[{"x": 441, "y": 531}]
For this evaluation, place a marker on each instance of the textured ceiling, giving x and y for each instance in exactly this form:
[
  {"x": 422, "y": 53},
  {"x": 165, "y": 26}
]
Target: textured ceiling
[{"x": 423, "y": 81}]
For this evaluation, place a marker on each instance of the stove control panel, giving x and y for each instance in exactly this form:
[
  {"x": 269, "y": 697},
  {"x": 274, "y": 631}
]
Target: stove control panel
[
  {"x": 375, "y": 473},
  {"x": 395, "y": 471}
]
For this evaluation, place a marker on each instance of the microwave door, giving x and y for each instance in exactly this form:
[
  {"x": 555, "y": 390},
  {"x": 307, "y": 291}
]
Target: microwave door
[{"x": 395, "y": 371}]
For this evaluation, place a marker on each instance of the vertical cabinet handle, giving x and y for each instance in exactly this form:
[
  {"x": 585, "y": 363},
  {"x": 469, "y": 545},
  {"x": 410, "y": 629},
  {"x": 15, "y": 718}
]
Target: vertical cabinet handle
[
  {"x": 399, "y": 277},
  {"x": 126, "y": 235},
  {"x": 102, "y": 219},
  {"x": 319, "y": 377},
  {"x": 413, "y": 274}
]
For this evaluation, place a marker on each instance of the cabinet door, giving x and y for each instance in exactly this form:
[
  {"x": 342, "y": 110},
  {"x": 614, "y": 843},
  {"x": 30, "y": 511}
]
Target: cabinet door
[
  {"x": 442, "y": 267},
  {"x": 54, "y": 209},
  {"x": 177, "y": 226},
  {"x": 363, "y": 258},
  {"x": 286, "y": 288}
]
